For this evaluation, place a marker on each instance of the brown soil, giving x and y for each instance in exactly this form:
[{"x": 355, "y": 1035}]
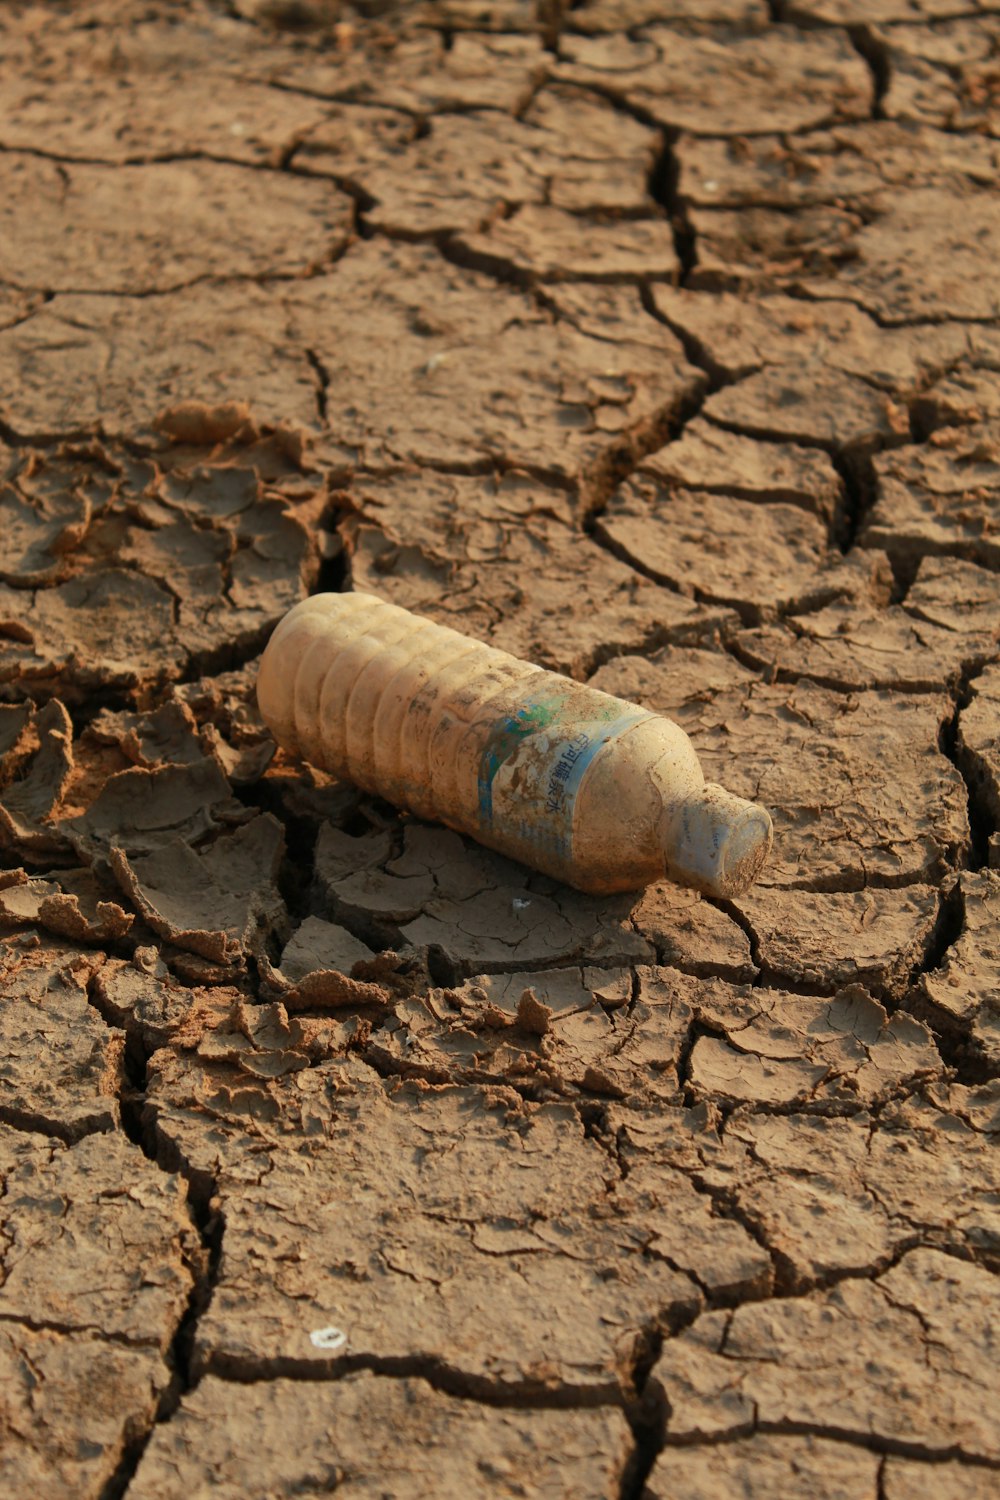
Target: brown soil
[{"x": 658, "y": 344}]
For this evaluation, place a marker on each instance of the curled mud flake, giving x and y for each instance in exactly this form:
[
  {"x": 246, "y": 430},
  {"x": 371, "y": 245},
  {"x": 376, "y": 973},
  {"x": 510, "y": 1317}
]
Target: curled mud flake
[
  {"x": 138, "y": 811},
  {"x": 73, "y": 905},
  {"x": 532, "y": 1014},
  {"x": 317, "y": 946},
  {"x": 328, "y": 1339},
  {"x": 399, "y": 1433},
  {"x": 220, "y": 902},
  {"x": 200, "y": 425},
  {"x": 447, "y": 895},
  {"x": 807, "y": 1053},
  {"x": 165, "y": 737},
  {"x": 229, "y": 725},
  {"x": 318, "y": 988},
  {"x": 561, "y": 991},
  {"x": 595, "y": 1041},
  {"x": 28, "y": 804},
  {"x": 220, "y": 491},
  {"x": 147, "y": 1002},
  {"x": 40, "y": 534}
]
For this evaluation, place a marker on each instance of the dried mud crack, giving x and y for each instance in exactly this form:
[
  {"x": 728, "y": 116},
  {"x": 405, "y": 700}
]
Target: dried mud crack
[{"x": 654, "y": 344}]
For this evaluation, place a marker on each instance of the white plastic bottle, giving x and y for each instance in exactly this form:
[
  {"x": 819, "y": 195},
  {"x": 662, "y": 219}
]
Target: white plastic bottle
[{"x": 587, "y": 787}]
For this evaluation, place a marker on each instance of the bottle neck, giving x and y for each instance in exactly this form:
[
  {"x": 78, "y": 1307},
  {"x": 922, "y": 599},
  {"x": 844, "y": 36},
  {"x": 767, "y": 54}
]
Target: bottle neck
[{"x": 715, "y": 841}]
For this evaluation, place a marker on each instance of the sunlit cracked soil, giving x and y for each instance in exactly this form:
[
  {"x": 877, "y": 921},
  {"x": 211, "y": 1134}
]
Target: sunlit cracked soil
[{"x": 654, "y": 342}]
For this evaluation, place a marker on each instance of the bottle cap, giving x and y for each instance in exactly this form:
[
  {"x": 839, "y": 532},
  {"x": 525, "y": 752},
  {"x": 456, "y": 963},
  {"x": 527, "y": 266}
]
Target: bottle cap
[{"x": 718, "y": 842}]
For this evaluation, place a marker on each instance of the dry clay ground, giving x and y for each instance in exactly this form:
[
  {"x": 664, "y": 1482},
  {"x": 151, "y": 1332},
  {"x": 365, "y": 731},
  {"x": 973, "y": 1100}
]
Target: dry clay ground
[{"x": 658, "y": 343}]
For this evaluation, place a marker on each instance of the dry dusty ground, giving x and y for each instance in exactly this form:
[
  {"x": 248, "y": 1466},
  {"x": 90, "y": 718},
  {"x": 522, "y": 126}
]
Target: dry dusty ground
[{"x": 658, "y": 342}]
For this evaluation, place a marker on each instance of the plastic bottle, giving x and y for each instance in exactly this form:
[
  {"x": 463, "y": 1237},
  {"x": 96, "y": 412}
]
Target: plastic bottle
[{"x": 587, "y": 787}]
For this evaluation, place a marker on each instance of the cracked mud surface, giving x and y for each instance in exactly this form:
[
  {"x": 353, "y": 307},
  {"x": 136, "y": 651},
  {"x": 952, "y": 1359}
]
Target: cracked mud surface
[{"x": 655, "y": 343}]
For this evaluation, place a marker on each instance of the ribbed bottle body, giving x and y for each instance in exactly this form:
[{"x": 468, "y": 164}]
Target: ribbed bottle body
[{"x": 585, "y": 786}]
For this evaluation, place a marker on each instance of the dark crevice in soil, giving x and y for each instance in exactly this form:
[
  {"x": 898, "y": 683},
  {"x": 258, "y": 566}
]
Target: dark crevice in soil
[
  {"x": 203, "y": 1263},
  {"x": 208, "y": 278},
  {"x": 733, "y": 912},
  {"x": 621, "y": 457},
  {"x": 230, "y": 656},
  {"x": 527, "y": 1393},
  {"x": 873, "y": 1442},
  {"x": 947, "y": 930},
  {"x": 664, "y": 189},
  {"x": 857, "y": 474},
  {"x": 322, "y": 383},
  {"x": 32, "y": 1124},
  {"x": 959, "y": 1050},
  {"x": 981, "y": 822},
  {"x": 697, "y": 1029},
  {"x": 873, "y": 49},
  {"x": 647, "y": 1416},
  {"x": 697, "y": 353},
  {"x": 549, "y": 16}
]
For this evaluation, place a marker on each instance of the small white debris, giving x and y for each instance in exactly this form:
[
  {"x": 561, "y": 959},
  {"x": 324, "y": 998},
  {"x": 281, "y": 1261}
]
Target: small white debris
[
  {"x": 331, "y": 1339},
  {"x": 519, "y": 903}
]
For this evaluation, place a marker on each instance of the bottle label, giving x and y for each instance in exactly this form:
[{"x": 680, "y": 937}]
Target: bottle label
[{"x": 533, "y": 764}]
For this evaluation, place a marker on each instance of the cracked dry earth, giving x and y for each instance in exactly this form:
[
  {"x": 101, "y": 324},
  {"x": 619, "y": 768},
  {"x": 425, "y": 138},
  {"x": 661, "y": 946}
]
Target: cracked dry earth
[{"x": 657, "y": 343}]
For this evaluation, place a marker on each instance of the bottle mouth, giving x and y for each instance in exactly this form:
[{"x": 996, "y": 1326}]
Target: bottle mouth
[{"x": 719, "y": 842}]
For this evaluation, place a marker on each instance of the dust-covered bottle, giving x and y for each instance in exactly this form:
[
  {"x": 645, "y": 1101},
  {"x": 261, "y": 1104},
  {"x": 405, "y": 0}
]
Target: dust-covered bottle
[{"x": 585, "y": 786}]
